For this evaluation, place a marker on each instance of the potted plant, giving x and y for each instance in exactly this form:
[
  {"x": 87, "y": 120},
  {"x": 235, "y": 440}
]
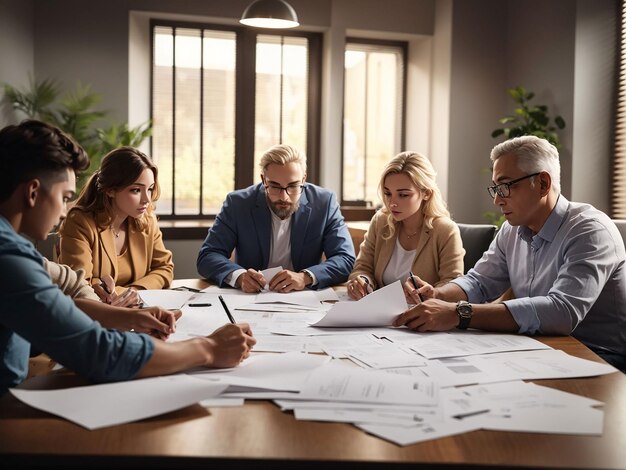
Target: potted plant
[
  {"x": 527, "y": 119},
  {"x": 75, "y": 113}
]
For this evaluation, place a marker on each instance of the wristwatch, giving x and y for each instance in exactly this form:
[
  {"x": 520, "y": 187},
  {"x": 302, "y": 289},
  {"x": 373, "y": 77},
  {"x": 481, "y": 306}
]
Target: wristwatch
[
  {"x": 464, "y": 311},
  {"x": 308, "y": 274}
]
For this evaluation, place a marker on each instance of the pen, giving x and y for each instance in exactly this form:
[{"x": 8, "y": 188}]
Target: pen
[
  {"x": 199, "y": 305},
  {"x": 105, "y": 287},
  {"x": 368, "y": 286},
  {"x": 415, "y": 285},
  {"x": 230, "y": 317},
  {"x": 473, "y": 413}
]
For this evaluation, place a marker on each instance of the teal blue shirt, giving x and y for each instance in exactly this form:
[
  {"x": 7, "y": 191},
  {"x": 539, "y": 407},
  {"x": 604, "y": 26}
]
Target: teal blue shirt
[{"x": 35, "y": 311}]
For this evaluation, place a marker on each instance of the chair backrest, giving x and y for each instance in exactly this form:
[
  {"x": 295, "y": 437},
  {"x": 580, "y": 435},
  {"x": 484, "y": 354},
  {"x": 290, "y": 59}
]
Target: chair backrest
[
  {"x": 476, "y": 239},
  {"x": 49, "y": 247},
  {"x": 621, "y": 226}
]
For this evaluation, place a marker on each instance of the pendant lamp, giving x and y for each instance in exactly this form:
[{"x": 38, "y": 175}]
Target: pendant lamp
[{"x": 275, "y": 14}]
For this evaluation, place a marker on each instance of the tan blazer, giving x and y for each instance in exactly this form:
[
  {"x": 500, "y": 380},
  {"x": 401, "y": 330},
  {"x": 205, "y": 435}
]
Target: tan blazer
[
  {"x": 438, "y": 257},
  {"x": 85, "y": 245}
]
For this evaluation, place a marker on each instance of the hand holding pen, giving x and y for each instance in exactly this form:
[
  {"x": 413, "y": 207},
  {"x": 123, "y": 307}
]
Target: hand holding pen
[
  {"x": 107, "y": 293},
  {"x": 251, "y": 281},
  {"x": 412, "y": 289},
  {"x": 233, "y": 342},
  {"x": 359, "y": 287}
]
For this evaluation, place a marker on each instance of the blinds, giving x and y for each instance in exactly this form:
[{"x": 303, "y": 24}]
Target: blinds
[{"x": 618, "y": 197}]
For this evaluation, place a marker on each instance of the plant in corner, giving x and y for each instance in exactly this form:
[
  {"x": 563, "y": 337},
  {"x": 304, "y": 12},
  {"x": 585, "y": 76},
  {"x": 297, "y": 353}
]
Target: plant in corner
[
  {"x": 528, "y": 119},
  {"x": 75, "y": 113}
]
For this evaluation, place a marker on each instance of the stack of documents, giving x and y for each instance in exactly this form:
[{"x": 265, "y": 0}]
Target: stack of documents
[{"x": 326, "y": 359}]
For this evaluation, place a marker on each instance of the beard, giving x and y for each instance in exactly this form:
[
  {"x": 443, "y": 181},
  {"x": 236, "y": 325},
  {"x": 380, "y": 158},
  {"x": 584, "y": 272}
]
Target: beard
[{"x": 283, "y": 212}]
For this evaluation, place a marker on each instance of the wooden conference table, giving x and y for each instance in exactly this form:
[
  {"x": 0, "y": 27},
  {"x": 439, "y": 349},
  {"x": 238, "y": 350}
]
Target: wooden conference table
[{"x": 258, "y": 434}]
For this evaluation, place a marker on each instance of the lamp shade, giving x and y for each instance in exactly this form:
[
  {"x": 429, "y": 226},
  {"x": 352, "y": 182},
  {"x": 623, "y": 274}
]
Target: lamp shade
[{"x": 270, "y": 14}]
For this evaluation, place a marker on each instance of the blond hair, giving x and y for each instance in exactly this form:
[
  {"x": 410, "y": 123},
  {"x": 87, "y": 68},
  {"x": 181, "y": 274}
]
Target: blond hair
[
  {"x": 282, "y": 155},
  {"x": 422, "y": 174}
]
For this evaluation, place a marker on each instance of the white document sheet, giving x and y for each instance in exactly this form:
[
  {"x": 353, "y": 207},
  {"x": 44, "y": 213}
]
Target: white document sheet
[
  {"x": 405, "y": 436},
  {"x": 385, "y": 356},
  {"x": 339, "y": 382},
  {"x": 338, "y": 345},
  {"x": 283, "y": 372},
  {"x": 98, "y": 406},
  {"x": 166, "y": 298},
  {"x": 585, "y": 421},
  {"x": 379, "y": 308},
  {"x": 542, "y": 364},
  {"x": 269, "y": 274},
  {"x": 280, "y": 344},
  {"x": 305, "y": 298},
  {"x": 378, "y": 415},
  {"x": 222, "y": 402},
  {"x": 466, "y": 343}
]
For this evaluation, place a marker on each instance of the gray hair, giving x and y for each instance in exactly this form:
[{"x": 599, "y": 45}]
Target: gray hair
[
  {"x": 533, "y": 155},
  {"x": 282, "y": 155}
]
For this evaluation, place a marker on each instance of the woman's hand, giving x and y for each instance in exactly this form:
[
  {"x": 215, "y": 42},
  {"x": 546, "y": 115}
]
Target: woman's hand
[{"x": 359, "y": 287}]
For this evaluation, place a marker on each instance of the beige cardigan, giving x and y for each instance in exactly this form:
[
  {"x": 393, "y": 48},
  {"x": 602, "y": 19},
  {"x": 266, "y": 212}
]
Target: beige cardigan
[
  {"x": 438, "y": 257},
  {"x": 86, "y": 245},
  {"x": 71, "y": 282}
]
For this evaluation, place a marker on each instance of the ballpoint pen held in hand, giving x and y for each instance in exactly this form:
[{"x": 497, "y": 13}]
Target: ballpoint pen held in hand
[
  {"x": 230, "y": 316},
  {"x": 415, "y": 285}
]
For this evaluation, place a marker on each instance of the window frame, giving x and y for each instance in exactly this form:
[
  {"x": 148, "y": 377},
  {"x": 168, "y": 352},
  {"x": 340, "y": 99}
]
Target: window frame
[{"x": 245, "y": 90}]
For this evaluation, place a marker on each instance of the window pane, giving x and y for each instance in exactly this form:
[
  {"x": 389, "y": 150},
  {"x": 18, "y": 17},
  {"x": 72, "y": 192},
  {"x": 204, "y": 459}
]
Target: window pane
[
  {"x": 187, "y": 58},
  {"x": 218, "y": 162},
  {"x": 373, "y": 101},
  {"x": 162, "y": 110},
  {"x": 281, "y": 93}
]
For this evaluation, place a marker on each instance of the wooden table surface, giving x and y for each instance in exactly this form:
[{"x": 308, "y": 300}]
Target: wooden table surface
[{"x": 259, "y": 434}]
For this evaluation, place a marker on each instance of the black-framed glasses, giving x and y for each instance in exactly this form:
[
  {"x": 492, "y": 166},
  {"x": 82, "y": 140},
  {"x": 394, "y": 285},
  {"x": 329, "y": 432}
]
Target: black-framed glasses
[
  {"x": 291, "y": 190},
  {"x": 504, "y": 189}
]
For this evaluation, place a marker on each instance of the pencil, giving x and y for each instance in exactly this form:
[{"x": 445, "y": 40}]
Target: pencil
[{"x": 230, "y": 316}]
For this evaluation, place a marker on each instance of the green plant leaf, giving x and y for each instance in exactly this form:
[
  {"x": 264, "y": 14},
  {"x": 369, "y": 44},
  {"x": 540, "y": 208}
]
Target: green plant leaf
[{"x": 560, "y": 122}]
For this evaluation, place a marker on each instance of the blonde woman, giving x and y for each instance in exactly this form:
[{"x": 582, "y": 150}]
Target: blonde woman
[
  {"x": 112, "y": 234},
  {"x": 413, "y": 232}
]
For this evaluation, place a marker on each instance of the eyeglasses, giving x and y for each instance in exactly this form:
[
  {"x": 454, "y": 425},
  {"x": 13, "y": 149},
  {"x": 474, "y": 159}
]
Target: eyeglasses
[
  {"x": 504, "y": 189},
  {"x": 275, "y": 190}
]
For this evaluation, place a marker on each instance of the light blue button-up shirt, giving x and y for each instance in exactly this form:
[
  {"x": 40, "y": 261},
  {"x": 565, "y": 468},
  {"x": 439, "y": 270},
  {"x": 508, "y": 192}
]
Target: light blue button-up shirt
[
  {"x": 35, "y": 311},
  {"x": 567, "y": 279}
]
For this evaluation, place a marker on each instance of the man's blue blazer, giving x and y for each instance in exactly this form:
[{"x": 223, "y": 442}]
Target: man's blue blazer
[{"x": 244, "y": 224}]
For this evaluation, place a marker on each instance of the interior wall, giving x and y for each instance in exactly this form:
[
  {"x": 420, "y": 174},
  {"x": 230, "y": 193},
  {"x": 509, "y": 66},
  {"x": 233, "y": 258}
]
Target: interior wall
[
  {"x": 477, "y": 93},
  {"x": 594, "y": 92},
  {"x": 541, "y": 50},
  {"x": 17, "y": 59}
]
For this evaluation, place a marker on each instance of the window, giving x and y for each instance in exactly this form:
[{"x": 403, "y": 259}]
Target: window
[
  {"x": 220, "y": 97},
  {"x": 618, "y": 192},
  {"x": 373, "y": 119}
]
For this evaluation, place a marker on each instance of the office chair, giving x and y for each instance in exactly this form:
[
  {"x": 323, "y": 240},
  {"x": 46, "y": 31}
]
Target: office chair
[{"x": 476, "y": 239}]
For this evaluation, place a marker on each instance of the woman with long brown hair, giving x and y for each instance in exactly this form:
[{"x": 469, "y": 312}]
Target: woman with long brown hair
[{"x": 112, "y": 233}]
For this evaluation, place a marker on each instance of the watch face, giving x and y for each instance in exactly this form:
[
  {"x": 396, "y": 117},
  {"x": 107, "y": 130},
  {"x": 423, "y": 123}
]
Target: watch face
[{"x": 464, "y": 309}]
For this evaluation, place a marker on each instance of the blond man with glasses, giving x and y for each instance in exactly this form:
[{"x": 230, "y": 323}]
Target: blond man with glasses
[
  {"x": 283, "y": 221},
  {"x": 564, "y": 261}
]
